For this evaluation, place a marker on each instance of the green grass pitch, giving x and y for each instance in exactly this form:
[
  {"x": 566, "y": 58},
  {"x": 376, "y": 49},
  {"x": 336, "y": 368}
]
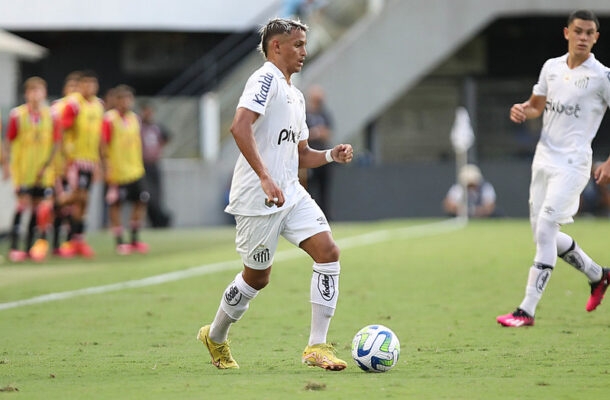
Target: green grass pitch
[{"x": 438, "y": 289}]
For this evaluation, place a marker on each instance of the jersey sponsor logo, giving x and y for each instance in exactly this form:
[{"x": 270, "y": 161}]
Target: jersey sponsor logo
[
  {"x": 232, "y": 295},
  {"x": 575, "y": 260},
  {"x": 559, "y": 108},
  {"x": 542, "y": 280},
  {"x": 287, "y": 135},
  {"x": 322, "y": 221},
  {"x": 326, "y": 286},
  {"x": 265, "y": 81}
]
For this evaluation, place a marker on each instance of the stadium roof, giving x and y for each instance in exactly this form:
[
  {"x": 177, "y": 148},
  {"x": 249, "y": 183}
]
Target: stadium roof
[
  {"x": 158, "y": 15},
  {"x": 25, "y": 49}
]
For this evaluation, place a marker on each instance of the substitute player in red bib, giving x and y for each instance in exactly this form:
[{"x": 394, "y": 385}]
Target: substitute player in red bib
[
  {"x": 82, "y": 124},
  {"x": 268, "y": 201},
  {"x": 33, "y": 137},
  {"x": 124, "y": 169},
  {"x": 572, "y": 95},
  {"x": 62, "y": 192}
]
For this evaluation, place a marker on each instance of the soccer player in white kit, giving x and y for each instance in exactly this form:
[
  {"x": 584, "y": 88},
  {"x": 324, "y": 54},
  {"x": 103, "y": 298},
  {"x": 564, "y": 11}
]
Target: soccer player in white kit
[
  {"x": 268, "y": 201},
  {"x": 572, "y": 95}
]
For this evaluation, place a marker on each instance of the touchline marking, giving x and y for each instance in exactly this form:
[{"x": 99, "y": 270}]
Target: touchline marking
[{"x": 359, "y": 240}]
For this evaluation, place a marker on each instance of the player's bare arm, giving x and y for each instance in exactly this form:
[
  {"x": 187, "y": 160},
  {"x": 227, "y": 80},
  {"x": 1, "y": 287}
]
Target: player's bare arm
[
  {"x": 311, "y": 158},
  {"x": 241, "y": 129},
  {"x": 530, "y": 109}
]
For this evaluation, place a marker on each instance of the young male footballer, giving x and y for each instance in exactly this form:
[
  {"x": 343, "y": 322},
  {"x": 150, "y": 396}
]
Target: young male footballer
[
  {"x": 572, "y": 95},
  {"x": 268, "y": 201}
]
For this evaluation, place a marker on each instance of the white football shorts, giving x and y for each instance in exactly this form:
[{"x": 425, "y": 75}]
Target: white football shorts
[
  {"x": 555, "y": 193},
  {"x": 257, "y": 237}
]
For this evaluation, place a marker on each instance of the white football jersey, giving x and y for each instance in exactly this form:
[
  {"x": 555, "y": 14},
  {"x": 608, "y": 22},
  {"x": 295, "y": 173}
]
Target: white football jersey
[
  {"x": 576, "y": 100},
  {"x": 277, "y": 132}
]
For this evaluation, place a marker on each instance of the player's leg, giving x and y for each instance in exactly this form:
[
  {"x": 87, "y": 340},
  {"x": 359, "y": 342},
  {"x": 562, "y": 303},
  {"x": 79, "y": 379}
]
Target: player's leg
[
  {"x": 31, "y": 227},
  {"x": 545, "y": 236},
  {"x": 60, "y": 210},
  {"x": 599, "y": 277},
  {"x": 307, "y": 227},
  {"x": 256, "y": 242},
  {"x": 559, "y": 204},
  {"x": 519, "y": 317},
  {"x": 114, "y": 215},
  {"x": 81, "y": 200},
  {"x": 139, "y": 197},
  {"x": 15, "y": 254},
  {"x": 570, "y": 252},
  {"x": 42, "y": 211}
]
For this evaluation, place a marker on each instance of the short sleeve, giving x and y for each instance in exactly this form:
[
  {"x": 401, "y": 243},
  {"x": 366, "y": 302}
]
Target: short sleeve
[
  {"x": 259, "y": 89},
  {"x": 606, "y": 90},
  {"x": 541, "y": 87}
]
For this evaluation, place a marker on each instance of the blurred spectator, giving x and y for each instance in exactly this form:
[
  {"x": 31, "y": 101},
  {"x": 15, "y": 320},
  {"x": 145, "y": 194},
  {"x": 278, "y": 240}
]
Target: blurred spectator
[
  {"x": 595, "y": 199},
  {"x": 481, "y": 194},
  {"x": 302, "y": 9},
  {"x": 320, "y": 124},
  {"x": 154, "y": 139}
]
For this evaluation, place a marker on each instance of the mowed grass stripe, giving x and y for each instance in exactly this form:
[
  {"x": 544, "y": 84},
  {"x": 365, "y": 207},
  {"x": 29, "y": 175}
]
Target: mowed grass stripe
[{"x": 346, "y": 243}]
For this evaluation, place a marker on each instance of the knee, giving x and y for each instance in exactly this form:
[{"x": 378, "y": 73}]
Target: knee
[
  {"x": 328, "y": 253},
  {"x": 256, "y": 279},
  {"x": 334, "y": 252}
]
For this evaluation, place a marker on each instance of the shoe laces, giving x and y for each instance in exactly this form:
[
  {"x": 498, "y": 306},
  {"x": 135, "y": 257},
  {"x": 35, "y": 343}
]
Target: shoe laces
[
  {"x": 223, "y": 349},
  {"x": 521, "y": 314}
]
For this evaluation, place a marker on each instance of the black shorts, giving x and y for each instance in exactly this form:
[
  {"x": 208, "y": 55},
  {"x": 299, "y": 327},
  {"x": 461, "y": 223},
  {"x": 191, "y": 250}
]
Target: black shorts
[
  {"x": 84, "y": 179},
  {"x": 134, "y": 191},
  {"x": 36, "y": 192},
  {"x": 79, "y": 177}
]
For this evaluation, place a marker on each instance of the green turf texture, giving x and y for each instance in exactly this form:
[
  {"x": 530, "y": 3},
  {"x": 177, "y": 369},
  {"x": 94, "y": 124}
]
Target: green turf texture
[{"x": 440, "y": 293}]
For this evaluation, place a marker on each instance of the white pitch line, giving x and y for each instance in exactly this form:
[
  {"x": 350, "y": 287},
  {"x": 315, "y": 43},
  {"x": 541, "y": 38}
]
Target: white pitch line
[{"x": 359, "y": 240}]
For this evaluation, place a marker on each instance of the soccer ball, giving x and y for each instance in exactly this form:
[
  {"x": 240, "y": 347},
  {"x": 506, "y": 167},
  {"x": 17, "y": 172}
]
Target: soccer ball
[{"x": 375, "y": 348}]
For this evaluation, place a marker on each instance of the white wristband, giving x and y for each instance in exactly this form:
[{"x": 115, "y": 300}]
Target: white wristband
[{"x": 329, "y": 156}]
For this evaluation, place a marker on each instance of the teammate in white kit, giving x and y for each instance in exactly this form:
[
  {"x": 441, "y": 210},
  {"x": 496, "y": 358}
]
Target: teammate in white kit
[
  {"x": 268, "y": 201},
  {"x": 572, "y": 95}
]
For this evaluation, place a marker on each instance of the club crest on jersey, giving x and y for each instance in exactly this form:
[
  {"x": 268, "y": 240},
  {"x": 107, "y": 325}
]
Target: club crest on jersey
[
  {"x": 265, "y": 81},
  {"x": 582, "y": 82}
]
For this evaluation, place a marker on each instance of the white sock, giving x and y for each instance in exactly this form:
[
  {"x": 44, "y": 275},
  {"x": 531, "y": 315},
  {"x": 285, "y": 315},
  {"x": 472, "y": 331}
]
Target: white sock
[
  {"x": 538, "y": 278},
  {"x": 324, "y": 293},
  {"x": 234, "y": 303},
  {"x": 219, "y": 330},
  {"x": 576, "y": 257},
  {"x": 320, "y": 322}
]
